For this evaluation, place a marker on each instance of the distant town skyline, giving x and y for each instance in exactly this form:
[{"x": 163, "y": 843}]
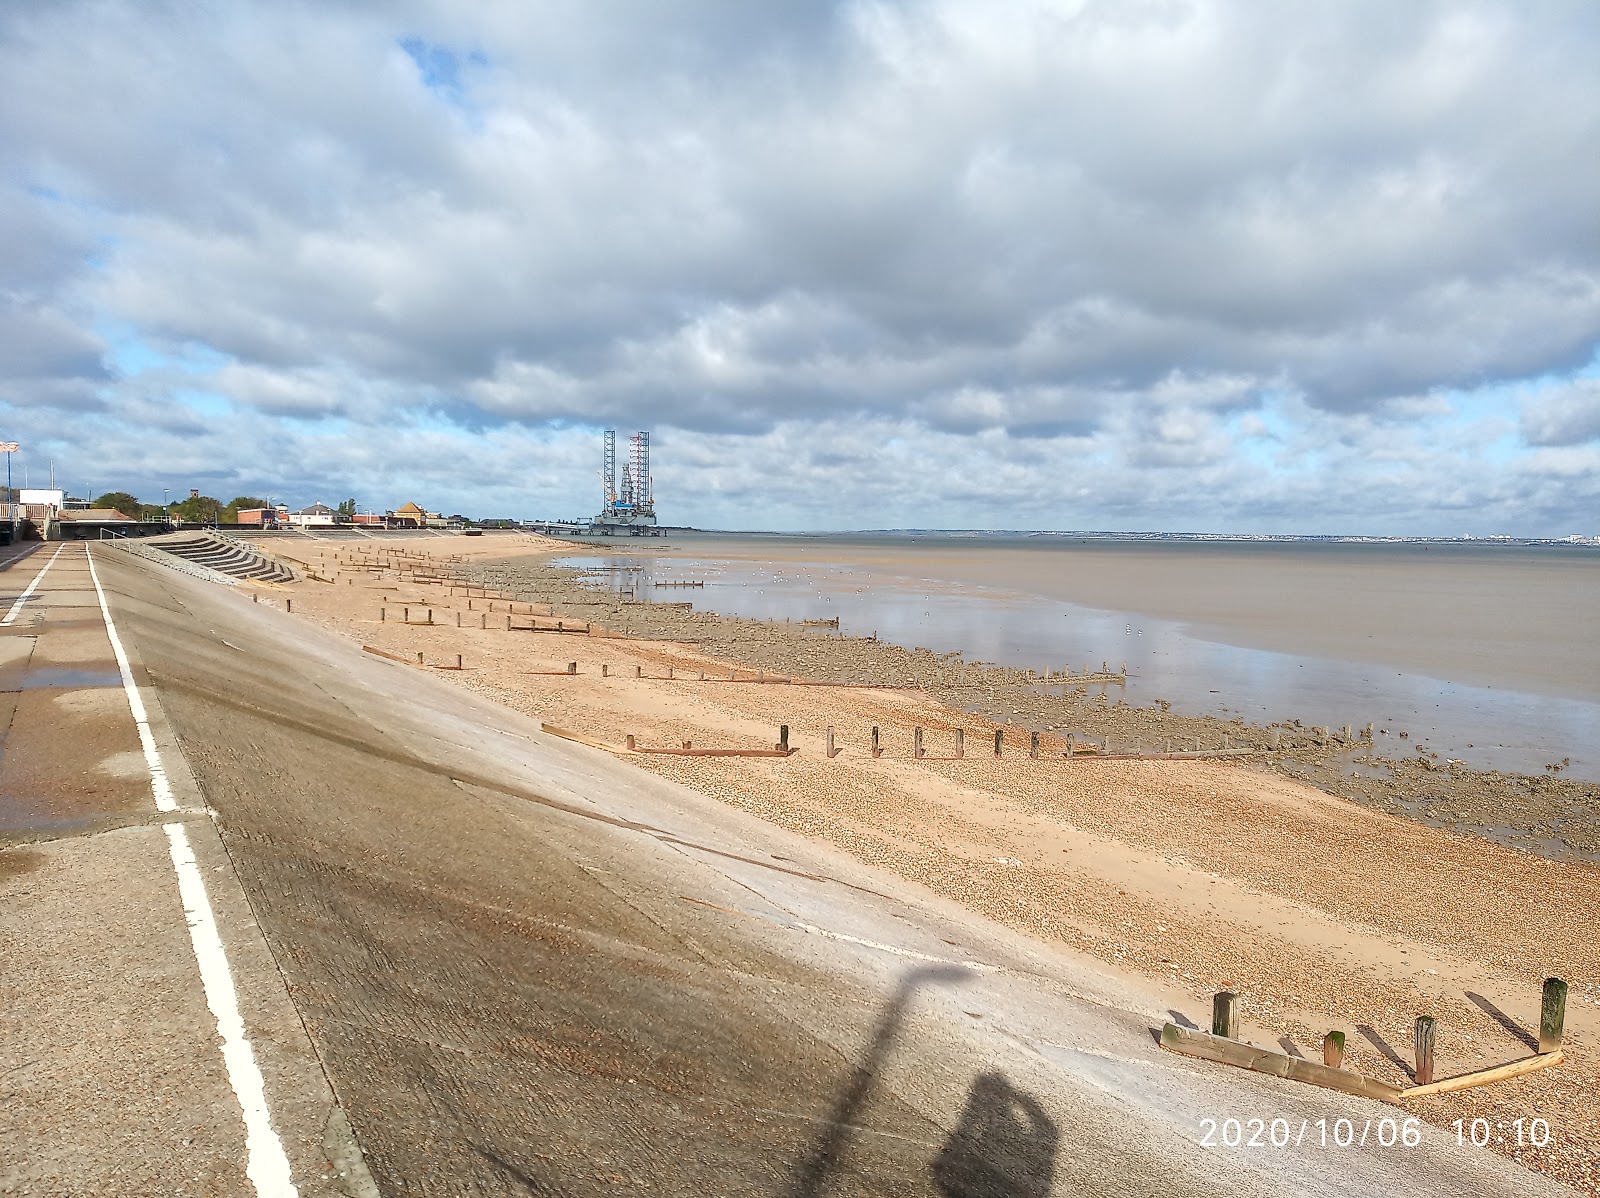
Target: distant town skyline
[{"x": 1192, "y": 266}]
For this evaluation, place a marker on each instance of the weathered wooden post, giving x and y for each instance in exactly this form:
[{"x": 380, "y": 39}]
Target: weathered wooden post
[
  {"x": 1552, "y": 1014},
  {"x": 572, "y": 667},
  {"x": 832, "y": 752},
  {"x": 1225, "y": 1015},
  {"x": 383, "y": 614},
  {"x": 961, "y": 742},
  {"x": 1333, "y": 1050},
  {"x": 783, "y": 738},
  {"x": 1347, "y": 733},
  {"x": 999, "y": 741},
  {"x": 430, "y": 615},
  {"x": 458, "y": 619},
  {"x": 877, "y": 749},
  {"x": 628, "y": 740},
  {"x": 1276, "y": 739},
  {"x": 419, "y": 659},
  {"x": 605, "y": 670},
  {"x": 1033, "y": 745},
  {"x": 916, "y": 743},
  {"x": 638, "y": 671},
  {"x": 288, "y": 605},
  {"x": 483, "y": 620},
  {"x": 458, "y": 661},
  {"x": 1424, "y": 1044}
]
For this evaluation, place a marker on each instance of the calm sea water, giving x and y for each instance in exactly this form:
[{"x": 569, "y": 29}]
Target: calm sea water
[{"x": 1482, "y": 654}]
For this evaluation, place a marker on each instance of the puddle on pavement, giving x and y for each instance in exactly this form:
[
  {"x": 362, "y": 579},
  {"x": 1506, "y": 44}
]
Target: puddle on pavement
[
  {"x": 20, "y": 813},
  {"x": 67, "y": 678}
]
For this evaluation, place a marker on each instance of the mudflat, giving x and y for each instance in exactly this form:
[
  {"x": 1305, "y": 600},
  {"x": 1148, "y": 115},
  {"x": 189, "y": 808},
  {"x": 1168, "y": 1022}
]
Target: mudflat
[{"x": 1503, "y": 616}]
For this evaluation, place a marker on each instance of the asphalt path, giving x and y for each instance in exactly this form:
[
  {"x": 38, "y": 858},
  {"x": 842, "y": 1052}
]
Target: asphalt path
[{"x": 514, "y": 965}]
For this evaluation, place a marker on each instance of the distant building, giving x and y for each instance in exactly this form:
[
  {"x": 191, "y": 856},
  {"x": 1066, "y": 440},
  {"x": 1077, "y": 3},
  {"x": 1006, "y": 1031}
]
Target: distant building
[
  {"x": 318, "y": 515},
  {"x": 96, "y": 515},
  {"x": 371, "y": 519},
  {"x": 409, "y": 516},
  {"x": 42, "y": 497}
]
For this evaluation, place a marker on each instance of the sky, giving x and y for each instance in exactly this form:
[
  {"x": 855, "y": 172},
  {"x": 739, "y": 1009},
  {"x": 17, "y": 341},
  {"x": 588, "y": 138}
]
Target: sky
[{"x": 1186, "y": 265}]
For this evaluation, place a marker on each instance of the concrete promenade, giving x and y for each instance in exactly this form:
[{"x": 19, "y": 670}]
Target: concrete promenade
[{"x": 516, "y": 965}]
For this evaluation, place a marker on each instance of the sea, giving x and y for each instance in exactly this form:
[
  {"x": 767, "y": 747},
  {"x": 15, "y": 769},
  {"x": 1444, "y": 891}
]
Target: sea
[{"x": 1484, "y": 652}]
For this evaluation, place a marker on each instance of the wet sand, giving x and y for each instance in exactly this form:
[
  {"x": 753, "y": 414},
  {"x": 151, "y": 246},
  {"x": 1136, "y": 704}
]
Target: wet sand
[
  {"x": 1486, "y": 615},
  {"x": 1191, "y": 875}
]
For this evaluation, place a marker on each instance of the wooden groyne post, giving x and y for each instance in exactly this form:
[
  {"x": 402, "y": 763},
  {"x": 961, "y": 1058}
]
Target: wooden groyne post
[
  {"x": 877, "y": 749},
  {"x": 1425, "y": 1031},
  {"x": 1225, "y": 1015},
  {"x": 1333, "y": 1050},
  {"x": 1552, "y": 1014}
]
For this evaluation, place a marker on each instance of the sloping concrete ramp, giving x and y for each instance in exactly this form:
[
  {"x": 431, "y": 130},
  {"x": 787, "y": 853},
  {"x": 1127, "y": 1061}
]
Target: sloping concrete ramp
[{"x": 530, "y": 969}]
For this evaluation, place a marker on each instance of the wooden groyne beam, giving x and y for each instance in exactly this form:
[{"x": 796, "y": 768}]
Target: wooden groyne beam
[{"x": 1223, "y": 1046}]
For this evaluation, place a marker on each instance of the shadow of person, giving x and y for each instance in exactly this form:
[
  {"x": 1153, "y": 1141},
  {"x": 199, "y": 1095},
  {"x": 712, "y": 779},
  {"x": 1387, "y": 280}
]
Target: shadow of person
[{"x": 1003, "y": 1147}]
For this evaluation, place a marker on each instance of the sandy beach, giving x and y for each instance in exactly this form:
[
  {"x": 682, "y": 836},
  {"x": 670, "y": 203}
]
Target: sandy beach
[{"x": 1278, "y": 874}]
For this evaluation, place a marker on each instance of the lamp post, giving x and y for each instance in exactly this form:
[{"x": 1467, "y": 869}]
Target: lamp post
[{"x": 8, "y": 448}]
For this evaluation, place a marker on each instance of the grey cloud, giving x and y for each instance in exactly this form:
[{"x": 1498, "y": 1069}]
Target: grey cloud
[{"x": 1567, "y": 415}]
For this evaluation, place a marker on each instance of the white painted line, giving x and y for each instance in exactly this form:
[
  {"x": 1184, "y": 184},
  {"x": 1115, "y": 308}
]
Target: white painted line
[
  {"x": 159, "y": 786},
  {"x": 267, "y": 1165},
  {"x": 23, "y": 598}
]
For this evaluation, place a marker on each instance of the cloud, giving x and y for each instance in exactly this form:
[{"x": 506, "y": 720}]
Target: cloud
[
  {"x": 1216, "y": 246},
  {"x": 1564, "y": 415}
]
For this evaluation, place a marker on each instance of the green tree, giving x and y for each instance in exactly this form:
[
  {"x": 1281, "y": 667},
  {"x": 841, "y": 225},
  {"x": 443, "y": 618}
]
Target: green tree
[
  {"x": 127, "y": 504},
  {"x": 199, "y": 509},
  {"x": 347, "y": 508},
  {"x": 238, "y": 504}
]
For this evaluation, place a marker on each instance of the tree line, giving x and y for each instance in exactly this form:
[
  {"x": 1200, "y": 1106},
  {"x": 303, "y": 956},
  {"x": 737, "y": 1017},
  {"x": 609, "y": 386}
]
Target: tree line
[{"x": 195, "y": 509}]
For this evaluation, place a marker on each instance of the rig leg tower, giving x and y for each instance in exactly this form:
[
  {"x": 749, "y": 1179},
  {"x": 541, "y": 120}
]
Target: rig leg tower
[{"x": 631, "y": 507}]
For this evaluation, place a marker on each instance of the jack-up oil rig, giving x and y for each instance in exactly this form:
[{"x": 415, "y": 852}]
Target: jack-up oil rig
[{"x": 631, "y": 506}]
